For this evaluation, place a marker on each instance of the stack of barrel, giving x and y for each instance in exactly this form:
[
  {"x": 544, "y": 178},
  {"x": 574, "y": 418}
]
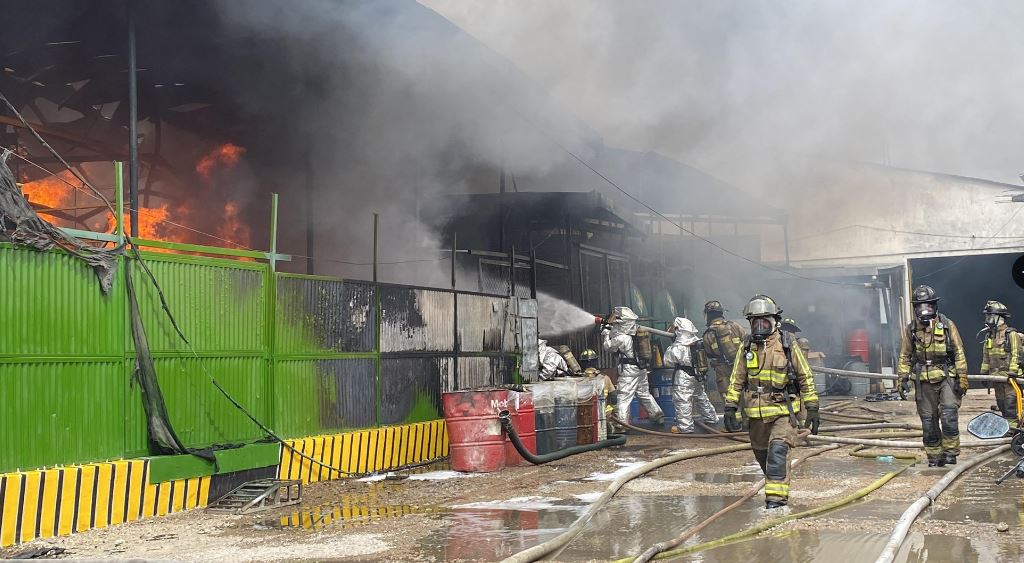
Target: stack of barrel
[{"x": 548, "y": 416}]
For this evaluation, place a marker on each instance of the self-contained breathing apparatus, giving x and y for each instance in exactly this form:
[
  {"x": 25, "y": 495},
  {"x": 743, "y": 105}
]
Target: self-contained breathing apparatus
[{"x": 938, "y": 327}]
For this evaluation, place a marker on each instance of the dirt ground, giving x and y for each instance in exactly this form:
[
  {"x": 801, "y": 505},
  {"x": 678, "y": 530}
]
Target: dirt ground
[{"x": 434, "y": 514}]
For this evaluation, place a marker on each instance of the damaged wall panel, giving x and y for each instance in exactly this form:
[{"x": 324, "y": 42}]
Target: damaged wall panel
[
  {"x": 320, "y": 396},
  {"x": 319, "y": 314},
  {"x": 416, "y": 320},
  {"x": 411, "y": 388}
]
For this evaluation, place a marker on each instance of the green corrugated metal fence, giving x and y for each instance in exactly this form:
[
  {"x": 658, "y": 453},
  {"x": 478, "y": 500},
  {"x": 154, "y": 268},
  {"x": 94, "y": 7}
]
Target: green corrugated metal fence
[{"x": 301, "y": 353}]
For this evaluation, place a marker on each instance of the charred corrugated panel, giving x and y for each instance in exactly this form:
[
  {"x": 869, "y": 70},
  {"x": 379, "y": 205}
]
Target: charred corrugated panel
[
  {"x": 355, "y": 399},
  {"x": 417, "y": 320},
  {"x": 486, "y": 324},
  {"x": 315, "y": 314},
  {"x": 485, "y": 371},
  {"x": 411, "y": 388}
]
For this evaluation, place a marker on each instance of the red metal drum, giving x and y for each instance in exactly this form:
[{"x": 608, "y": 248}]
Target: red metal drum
[
  {"x": 520, "y": 406},
  {"x": 857, "y": 344},
  {"x": 474, "y": 432}
]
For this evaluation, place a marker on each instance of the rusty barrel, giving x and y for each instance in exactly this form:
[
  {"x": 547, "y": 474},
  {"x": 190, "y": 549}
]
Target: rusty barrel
[
  {"x": 520, "y": 407},
  {"x": 586, "y": 412},
  {"x": 477, "y": 443}
]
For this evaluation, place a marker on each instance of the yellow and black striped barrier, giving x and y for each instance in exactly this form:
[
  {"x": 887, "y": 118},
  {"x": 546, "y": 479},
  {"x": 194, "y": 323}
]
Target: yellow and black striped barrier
[
  {"x": 64, "y": 500},
  {"x": 365, "y": 451}
]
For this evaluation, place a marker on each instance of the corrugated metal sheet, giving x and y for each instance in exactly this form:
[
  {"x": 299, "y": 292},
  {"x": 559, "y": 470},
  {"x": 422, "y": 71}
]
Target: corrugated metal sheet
[
  {"x": 53, "y": 305},
  {"x": 200, "y": 414},
  {"x": 218, "y": 306},
  {"x": 411, "y": 388},
  {"x": 485, "y": 371},
  {"x": 315, "y": 315},
  {"x": 318, "y": 396},
  {"x": 481, "y": 323},
  {"x": 57, "y": 412},
  {"x": 416, "y": 320}
]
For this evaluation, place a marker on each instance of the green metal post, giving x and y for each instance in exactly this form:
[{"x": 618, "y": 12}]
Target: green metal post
[
  {"x": 119, "y": 195},
  {"x": 273, "y": 232}
]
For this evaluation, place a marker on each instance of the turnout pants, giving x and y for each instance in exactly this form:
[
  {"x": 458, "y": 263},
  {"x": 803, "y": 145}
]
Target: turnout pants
[
  {"x": 771, "y": 439},
  {"x": 1006, "y": 399},
  {"x": 688, "y": 393},
  {"x": 633, "y": 383},
  {"x": 939, "y": 406}
]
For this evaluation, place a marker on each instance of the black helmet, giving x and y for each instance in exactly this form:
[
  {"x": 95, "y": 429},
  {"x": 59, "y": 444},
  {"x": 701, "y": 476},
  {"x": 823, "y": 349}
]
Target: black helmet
[
  {"x": 713, "y": 307},
  {"x": 789, "y": 325},
  {"x": 924, "y": 294},
  {"x": 996, "y": 308},
  {"x": 761, "y": 305},
  {"x": 588, "y": 355}
]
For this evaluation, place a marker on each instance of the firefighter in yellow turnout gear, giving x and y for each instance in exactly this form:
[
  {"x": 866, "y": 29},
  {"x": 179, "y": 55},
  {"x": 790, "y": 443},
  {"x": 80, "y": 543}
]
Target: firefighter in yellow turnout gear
[
  {"x": 1000, "y": 355},
  {"x": 771, "y": 374},
  {"x": 722, "y": 339},
  {"x": 932, "y": 355}
]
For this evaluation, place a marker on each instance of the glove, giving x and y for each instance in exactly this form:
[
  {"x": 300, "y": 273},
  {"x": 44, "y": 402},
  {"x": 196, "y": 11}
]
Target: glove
[
  {"x": 732, "y": 424},
  {"x": 962, "y": 386},
  {"x": 904, "y": 388},
  {"x": 813, "y": 418}
]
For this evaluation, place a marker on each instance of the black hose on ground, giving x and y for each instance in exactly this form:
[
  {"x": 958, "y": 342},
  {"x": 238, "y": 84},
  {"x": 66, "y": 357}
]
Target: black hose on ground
[{"x": 506, "y": 423}]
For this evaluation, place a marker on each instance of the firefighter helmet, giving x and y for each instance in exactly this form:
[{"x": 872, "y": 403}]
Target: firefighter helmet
[
  {"x": 761, "y": 305},
  {"x": 789, "y": 325},
  {"x": 996, "y": 308},
  {"x": 714, "y": 307},
  {"x": 588, "y": 355},
  {"x": 924, "y": 294}
]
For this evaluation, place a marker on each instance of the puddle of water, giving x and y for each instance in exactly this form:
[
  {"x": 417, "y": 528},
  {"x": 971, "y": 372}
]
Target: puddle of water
[
  {"x": 977, "y": 498},
  {"x": 752, "y": 476},
  {"x": 346, "y": 515},
  {"x": 491, "y": 534}
]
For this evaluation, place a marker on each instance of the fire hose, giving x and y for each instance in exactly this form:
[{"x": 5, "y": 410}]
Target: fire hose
[
  {"x": 907, "y": 519},
  {"x": 538, "y": 551},
  {"x": 539, "y": 459},
  {"x": 897, "y": 444},
  {"x": 892, "y": 377},
  {"x": 768, "y": 524},
  {"x": 686, "y": 534}
]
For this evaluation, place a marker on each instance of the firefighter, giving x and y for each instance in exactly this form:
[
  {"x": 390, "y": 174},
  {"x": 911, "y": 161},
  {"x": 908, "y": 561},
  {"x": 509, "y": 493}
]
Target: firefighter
[
  {"x": 620, "y": 337},
  {"x": 721, "y": 341},
  {"x": 552, "y": 364},
  {"x": 1000, "y": 355},
  {"x": 772, "y": 375},
  {"x": 588, "y": 362},
  {"x": 932, "y": 355},
  {"x": 685, "y": 355},
  {"x": 790, "y": 326}
]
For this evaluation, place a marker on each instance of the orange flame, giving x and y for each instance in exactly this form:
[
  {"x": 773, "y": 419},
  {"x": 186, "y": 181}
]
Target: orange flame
[
  {"x": 233, "y": 228},
  {"x": 227, "y": 155},
  {"x": 52, "y": 192}
]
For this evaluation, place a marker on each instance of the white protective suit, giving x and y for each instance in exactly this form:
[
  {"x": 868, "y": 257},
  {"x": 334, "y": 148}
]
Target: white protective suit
[
  {"x": 632, "y": 378},
  {"x": 552, "y": 364},
  {"x": 686, "y": 389}
]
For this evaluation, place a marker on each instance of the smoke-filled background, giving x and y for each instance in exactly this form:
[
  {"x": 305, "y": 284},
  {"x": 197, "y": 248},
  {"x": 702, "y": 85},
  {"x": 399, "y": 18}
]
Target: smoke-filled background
[{"x": 732, "y": 85}]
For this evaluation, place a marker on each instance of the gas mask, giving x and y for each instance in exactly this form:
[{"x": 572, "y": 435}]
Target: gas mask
[
  {"x": 761, "y": 328},
  {"x": 993, "y": 321},
  {"x": 925, "y": 311}
]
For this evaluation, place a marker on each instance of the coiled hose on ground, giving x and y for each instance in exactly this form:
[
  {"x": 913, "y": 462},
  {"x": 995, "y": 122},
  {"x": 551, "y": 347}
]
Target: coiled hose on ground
[{"x": 539, "y": 459}]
